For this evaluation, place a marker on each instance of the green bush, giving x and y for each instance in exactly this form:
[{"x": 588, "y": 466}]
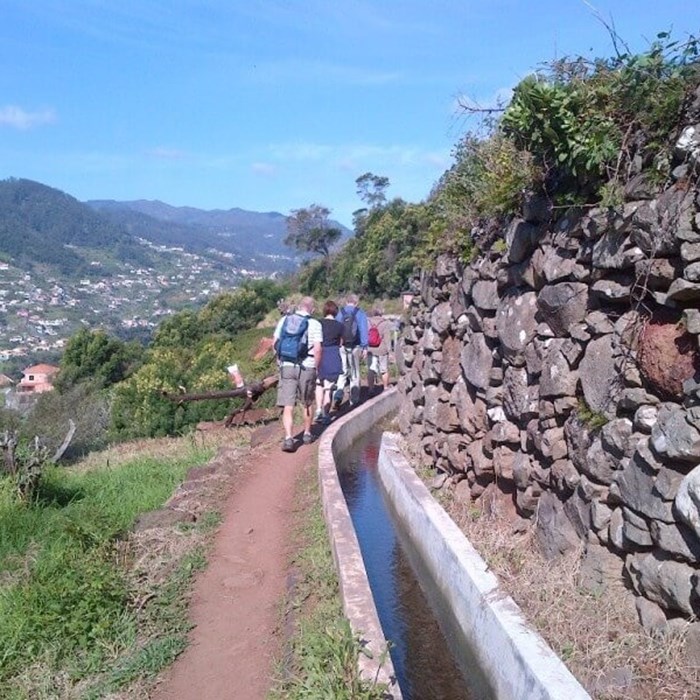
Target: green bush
[
  {"x": 584, "y": 121},
  {"x": 139, "y": 408},
  {"x": 85, "y": 404},
  {"x": 391, "y": 241},
  {"x": 190, "y": 352},
  {"x": 486, "y": 182},
  {"x": 92, "y": 356}
]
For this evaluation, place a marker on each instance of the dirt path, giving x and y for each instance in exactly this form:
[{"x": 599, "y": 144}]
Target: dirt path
[{"x": 235, "y": 603}]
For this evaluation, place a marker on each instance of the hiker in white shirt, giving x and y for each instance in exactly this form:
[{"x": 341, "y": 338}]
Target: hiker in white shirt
[{"x": 298, "y": 374}]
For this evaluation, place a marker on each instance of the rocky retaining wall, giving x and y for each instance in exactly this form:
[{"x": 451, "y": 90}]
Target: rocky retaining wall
[{"x": 563, "y": 365}]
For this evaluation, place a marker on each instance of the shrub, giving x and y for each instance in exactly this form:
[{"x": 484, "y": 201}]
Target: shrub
[
  {"x": 487, "y": 181},
  {"x": 586, "y": 121},
  {"x": 85, "y": 404}
]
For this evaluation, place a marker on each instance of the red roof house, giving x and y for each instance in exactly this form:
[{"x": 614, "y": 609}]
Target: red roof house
[{"x": 37, "y": 379}]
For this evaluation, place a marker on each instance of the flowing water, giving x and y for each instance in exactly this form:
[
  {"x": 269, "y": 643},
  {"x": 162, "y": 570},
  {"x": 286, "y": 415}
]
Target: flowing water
[{"x": 424, "y": 665}]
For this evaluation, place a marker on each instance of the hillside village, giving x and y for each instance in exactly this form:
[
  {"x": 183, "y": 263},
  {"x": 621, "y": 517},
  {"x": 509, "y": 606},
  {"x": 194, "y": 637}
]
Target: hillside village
[{"x": 38, "y": 314}]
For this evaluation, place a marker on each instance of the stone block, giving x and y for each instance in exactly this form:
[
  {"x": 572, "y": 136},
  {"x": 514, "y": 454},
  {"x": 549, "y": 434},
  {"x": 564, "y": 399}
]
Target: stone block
[
  {"x": 476, "y": 361},
  {"x": 562, "y": 305},
  {"x": 676, "y": 538},
  {"x": 599, "y": 569},
  {"x": 665, "y": 581},
  {"x": 600, "y": 380},
  {"x": 635, "y": 529},
  {"x": 651, "y": 616},
  {"x": 554, "y": 532}
]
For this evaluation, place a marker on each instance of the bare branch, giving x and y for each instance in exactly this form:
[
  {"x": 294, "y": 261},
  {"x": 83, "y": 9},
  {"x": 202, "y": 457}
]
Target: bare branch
[
  {"x": 66, "y": 441},
  {"x": 253, "y": 391},
  {"x": 472, "y": 107},
  {"x": 616, "y": 39}
]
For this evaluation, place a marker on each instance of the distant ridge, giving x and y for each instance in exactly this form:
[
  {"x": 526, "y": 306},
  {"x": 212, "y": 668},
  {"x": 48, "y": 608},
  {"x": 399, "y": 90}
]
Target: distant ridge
[
  {"x": 247, "y": 234},
  {"x": 42, "y": 227},
  {"x": 236, "y": 231}
]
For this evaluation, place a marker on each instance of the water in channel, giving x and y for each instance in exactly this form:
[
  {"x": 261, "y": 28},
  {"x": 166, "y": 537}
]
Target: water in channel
[{"x": 424, "y": 665}]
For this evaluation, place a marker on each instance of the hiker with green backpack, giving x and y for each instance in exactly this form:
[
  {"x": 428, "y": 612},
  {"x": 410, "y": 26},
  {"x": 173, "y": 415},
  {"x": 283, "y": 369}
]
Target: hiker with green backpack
[
  {"x": 297, "y": 343},
  {"x": 354, "y": 349}
]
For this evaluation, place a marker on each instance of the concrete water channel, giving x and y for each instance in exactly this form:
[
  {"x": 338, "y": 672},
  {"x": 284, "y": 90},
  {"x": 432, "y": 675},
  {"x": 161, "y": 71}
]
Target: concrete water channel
[
  {"x": 486, "y": 649},
  {"x": 424, "y": 664}
]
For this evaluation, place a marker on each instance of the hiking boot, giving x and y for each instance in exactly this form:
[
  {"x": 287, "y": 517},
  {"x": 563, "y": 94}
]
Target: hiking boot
[
  {"x": 337, "y": 399},
  {"x": 307, "y": 439},
  {"x": 288, "y": 445},
  {"x": 318, "y": 417}
]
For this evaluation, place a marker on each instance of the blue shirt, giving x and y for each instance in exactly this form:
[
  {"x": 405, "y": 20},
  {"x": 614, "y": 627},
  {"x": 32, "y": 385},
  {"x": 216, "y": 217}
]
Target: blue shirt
[{"x": 362, "y": 323}]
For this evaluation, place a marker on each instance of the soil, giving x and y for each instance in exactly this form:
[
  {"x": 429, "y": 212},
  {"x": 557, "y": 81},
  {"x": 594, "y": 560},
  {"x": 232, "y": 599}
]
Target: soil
[{"x": 235, "y": 606}]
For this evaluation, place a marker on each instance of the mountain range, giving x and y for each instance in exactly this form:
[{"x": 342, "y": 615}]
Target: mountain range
[
  {"x": 118, "y": 266},
  {"x": 254, "y": 239},
  {"x": 45, "y": 229}
]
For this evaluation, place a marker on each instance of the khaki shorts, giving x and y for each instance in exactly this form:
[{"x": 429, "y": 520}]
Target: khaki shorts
[
  {"x": 379, "y": 364},
  {"x": 296, "y": 383}
]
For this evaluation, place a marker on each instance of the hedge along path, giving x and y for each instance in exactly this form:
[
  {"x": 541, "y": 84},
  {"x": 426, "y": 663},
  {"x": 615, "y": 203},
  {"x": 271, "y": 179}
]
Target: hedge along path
[{"x": 235, "y": 601}]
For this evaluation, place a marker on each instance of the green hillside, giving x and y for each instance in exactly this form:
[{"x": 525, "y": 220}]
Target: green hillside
[{"x": 42, "y": 226}]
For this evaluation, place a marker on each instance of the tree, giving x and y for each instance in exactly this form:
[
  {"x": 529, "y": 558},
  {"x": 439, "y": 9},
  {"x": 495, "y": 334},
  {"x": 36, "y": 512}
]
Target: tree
[
  {"x": 371, "y": 189},
  {"x": 379, "y": 262},
  {"x": 184, "y": 329},
  {"x": 310, "y": 231},
  {"x": 93, "y": 356}
]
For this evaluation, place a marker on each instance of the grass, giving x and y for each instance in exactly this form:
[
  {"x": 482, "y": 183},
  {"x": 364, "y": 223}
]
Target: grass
[
  {"x": 321, "y": 654},
  {"x": 168, "y": 621},
  {"x": 81, "y": 612},
  {"x": 592, "y": 419}
]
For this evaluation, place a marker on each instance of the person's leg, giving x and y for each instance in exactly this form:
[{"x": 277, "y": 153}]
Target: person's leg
[
  {"x": 286, "y": 397},
  {"x": 288, "y": 421},
  {"x": 383, "y": 363},
  {"x": 308, "y": 419},
  {"x": 372, "y": 371},
  {"x": 307, "y": 387},
  {"x": 354, "y": 362},
  {"x": 320, "y": 399},
  {"x": 344, "y": 378},
  {"x": 328, "y": 388}
]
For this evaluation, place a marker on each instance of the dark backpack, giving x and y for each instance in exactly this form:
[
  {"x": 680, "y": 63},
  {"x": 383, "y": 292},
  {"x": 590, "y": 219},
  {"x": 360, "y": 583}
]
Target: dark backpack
[
  {"x": 374, "y": 337},
  {"x": 351, "y": 333},
  {"x": 293, "y": 343}
]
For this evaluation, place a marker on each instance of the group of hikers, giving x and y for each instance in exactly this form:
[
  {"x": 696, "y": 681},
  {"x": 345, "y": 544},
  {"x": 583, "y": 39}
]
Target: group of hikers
[{"x": 319, "y": 360}]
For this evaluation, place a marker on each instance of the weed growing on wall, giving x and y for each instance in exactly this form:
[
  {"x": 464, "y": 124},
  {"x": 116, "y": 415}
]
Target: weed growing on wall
[{"x": 586, "y": 121}]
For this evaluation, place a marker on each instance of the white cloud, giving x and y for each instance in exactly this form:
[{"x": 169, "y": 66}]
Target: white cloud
[
  {"x": 345, "y": 155},
  {"x": 266, "y": 169},
  {"x": 163, "y": 153},
  {"x": 437, "y": 159},
  {"x": 301, "y": 151},
  {"x": 18, "y": 118}
]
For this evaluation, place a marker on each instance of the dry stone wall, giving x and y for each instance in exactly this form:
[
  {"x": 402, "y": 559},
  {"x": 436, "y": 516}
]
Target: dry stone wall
[{"x": 565, "y": 368}]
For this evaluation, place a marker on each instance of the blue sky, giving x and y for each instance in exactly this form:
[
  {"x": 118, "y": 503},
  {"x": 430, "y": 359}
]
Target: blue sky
[{"x": 277, "y": 104}]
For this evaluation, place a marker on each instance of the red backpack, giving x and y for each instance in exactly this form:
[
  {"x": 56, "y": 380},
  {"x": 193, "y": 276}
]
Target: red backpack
[{"x": 374, "y": 337}]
